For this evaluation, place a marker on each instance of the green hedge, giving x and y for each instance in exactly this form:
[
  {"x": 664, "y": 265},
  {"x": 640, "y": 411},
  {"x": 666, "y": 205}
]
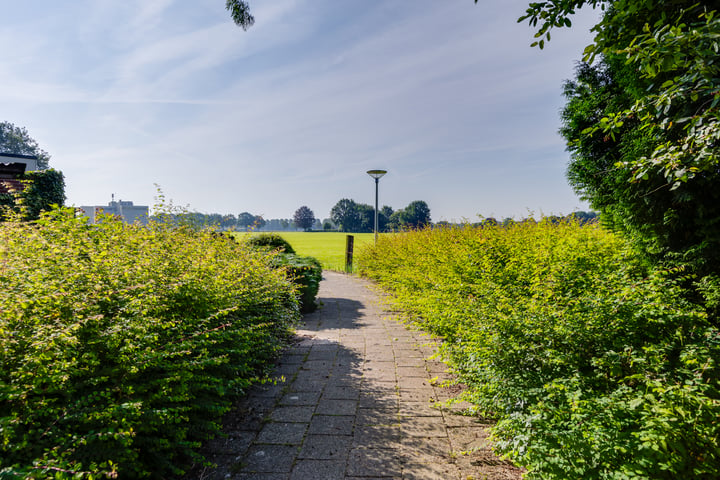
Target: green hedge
[
  {"x": 44, "y": 188},
  {"x": 593, "y": 367},
  {"x": 271, "y": 241},
  {"x": 305, "y": 272},
  {"x": 122, "y": 346}
]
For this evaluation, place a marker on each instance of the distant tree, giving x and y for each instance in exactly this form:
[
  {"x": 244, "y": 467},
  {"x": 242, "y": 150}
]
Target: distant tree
[
  {"x": 240, "y": 13},
  {"x": 395, "y": 221},
  {"x": 346, "y": 215},
  {"x": 17, "y": 140},
  {"x": 304, "y": 218},
  {"x": 415, "y": 215},
  {"x": 367, "y": 218},
  {"x": 584, "y": 217},
  {"x": 228, "y": 221},
  {"x": 214, "y": 219},
  {"x": 327, "y": 224},
  {"x": 245, "y": 220},
  {"x": 384, "y": 218},
  {"x": 259, "y": 222}
]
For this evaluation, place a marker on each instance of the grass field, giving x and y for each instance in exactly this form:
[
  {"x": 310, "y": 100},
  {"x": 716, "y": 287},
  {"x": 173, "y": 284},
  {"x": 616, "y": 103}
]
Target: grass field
[{"x": 328, "y": 247}]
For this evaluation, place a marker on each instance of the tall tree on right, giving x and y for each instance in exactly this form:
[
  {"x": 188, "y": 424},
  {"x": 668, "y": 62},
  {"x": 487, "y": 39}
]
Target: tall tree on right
[{"x": 647, "y": 153}]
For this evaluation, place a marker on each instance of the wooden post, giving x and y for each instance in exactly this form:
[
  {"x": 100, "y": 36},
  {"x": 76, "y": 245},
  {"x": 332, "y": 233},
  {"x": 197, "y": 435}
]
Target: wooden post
[{"x": 349, "y": 253}]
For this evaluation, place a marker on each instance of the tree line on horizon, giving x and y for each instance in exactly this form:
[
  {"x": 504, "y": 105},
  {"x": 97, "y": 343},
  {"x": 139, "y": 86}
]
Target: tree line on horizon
[{"x": 349, "y": 216}]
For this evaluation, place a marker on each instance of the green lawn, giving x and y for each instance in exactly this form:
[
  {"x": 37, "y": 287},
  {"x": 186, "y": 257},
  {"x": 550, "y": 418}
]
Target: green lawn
[{"x": 328, "y": 247}]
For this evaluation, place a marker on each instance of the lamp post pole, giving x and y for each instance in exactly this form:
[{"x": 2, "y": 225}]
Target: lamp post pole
[{"x": 376, "y": 174}]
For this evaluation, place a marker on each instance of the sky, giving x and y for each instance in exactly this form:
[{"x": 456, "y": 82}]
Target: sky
[{"x": 448, "y": 97}]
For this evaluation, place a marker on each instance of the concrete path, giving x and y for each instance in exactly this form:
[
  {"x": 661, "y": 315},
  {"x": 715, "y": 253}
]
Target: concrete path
[{"x": 354, "y": 400}]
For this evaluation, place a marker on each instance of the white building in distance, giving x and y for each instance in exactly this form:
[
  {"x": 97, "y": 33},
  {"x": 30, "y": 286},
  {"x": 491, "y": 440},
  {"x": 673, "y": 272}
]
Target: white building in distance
[{"x": 128, "y": 212}]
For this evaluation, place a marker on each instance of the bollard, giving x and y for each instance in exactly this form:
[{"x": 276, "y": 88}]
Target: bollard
[{"x": 349, "y": 253}]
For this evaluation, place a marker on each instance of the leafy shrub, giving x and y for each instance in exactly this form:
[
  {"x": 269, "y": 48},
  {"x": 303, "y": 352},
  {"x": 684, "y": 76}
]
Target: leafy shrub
[
  {"x": 271, "y": 241},
  {"x": 43, "y": 189},
  {"x": 593, "y": 366},
  {"x": 306, "y": 274},
  {"x": 122, "y": 346}
]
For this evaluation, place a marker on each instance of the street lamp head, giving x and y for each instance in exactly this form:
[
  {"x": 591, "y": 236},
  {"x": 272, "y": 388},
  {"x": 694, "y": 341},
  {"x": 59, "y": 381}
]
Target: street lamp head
[{"x": 376, "y": 174}]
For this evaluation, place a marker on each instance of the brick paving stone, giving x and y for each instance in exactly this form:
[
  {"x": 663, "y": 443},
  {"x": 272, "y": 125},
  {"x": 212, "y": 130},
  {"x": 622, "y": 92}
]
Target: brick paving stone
[
  {"x": 419, "y": 371},
  {"x": 407, "y": 353},
  {"x": 380, "y": 375},
  {"x": 259, "y": 476},
  {"x": 269, "y": 458},
  {"x": 336, "y": 407},
  {"x": 322, "y": 355},
  {"x": 318, "y": 470},
  {"x": 293, "y": 414},
  {"x": 417, "y": 395},
  {"x": 418, "y": 409},
  {"x": 425, "y": 449},
  {"x": 372, "y": 478},
  {"x": 378, "y": 436},
  {"x": 326, "y": 447},
  {"x": 367, "y": 461},
  {"x": 343, "y": 381},
  {"x": 415, "y": 383},
  {"x": 431, "y": 471},
  {"x": 300, "y": 399},
  {"x": 379, "y": 401},
  {"x": 378, "y": 362},
  {"x": 341, "y": 392},
  {"x": 318, "y": 367},
  {"x": 351, "y": 361},
  {"x": 377, "y": 416},
  {"x": 332, "y": 425},
  {"x": 308, "y": 384},
  {"x": 411, "y": 362},
  {"x": 282, "y": 433},
  {"x": 423, "y": 427}
]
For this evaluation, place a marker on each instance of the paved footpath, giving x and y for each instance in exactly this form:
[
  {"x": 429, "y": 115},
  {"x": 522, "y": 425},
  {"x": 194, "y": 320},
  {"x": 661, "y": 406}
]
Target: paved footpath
[{"x": 354, "y": 400}]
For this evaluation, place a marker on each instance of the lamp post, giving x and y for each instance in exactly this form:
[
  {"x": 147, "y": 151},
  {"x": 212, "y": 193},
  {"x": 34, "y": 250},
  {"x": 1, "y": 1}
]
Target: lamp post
[{"x": 376, "y": 174}]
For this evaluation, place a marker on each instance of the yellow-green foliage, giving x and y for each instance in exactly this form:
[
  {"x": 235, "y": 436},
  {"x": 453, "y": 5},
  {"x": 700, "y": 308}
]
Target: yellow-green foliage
[
  {"x": 121, "y": 346},
  {"x": 594, "y": 367}
]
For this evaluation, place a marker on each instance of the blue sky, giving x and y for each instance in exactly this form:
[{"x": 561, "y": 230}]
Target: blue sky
[{"x": 447, "y": 96}]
